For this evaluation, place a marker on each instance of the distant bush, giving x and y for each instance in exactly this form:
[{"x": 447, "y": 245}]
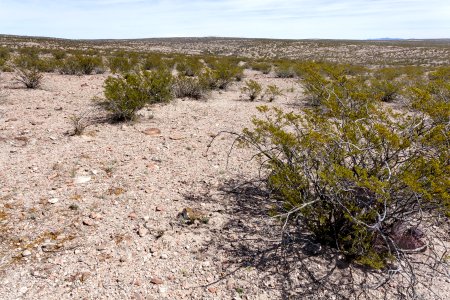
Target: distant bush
[
  {"x": 263, "y": 67},
  {"x": 152, "y": 62},
  {"x": 81, "y": 65},
  {"x": 272, "y": 92},
  {"x": 224, "y": 72},
  {"x": 128, "y": 93},
  {"x": 123, "y": 62},
  {"x": 191, "y": 87},
  {"x": 285, "y": 70},
  {"x": 30, "y": 78},
  {"x": 189, "y": 67},
  {"x": 4, "y": 56},
  {"x": 252, "y": 89}
]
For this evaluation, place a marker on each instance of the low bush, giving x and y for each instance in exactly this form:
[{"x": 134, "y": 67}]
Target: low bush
[
  {"x": 190, "y": 87},
  {"x": 189, "y": 67},
  {"x": 263, "y": 67},
  {"x": 224, "y": 72},
  {"x": 285, "y": 70},
  {"x": 272, "y": 92},
  {"x": 252, "y": 89},
  {"x": 30, "y": 78},
  {"x": 128, "y": 93},
  {"x": 81, "y": 65},
  {"x": 123, "y": 63}
]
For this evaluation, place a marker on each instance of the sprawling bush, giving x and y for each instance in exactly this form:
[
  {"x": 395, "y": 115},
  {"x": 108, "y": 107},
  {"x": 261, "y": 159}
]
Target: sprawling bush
[
  {"x": 128, "y": 93},
  {"x": 285, "y": 70},
  {"x": 224, "y": 72},
  {"x": 358, "y": 176},
  {"x": 190, "y": 87},
  {"x": 263, "y": 67},
  {"x": 189, "y": 67},
  {"x": 31, "y": 78},
  {"x": 272, "y": 92},
  {"x": 81, "y": 65}
]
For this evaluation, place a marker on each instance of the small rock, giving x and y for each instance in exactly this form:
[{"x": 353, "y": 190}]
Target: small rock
[
  {"x": 26, "y": 253},
  {"x": 132, "y": 216},
  {"x": 156, "y": 280},
  {"x": 82, "y": 179},
  {"x": 95, "y": 216},
  {"x": 152, "y": 132},
  {"x": 159, "y": 208},
  {"x": 53, "y": 138},
  {"x": 164, "y": 256},
  {"x": 212, "y": 290},
  {"x": 88, "y": 222},
  {"x": 53, "y": 200},
  {"x": 176, "y": 137},
  {"x": 142, "y": 231}
]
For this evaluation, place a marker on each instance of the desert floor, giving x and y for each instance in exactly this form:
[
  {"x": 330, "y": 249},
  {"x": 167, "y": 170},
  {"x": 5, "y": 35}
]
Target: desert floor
[{"x": 96, "y": 216}]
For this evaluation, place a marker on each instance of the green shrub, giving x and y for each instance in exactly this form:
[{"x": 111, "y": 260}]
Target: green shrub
[
  {"x": 263, "y": 67},
  {"x": 224, "y": 72},
  {"x": 357, "y": 176},
  {"x": 189, "y": 67},
  {"x": 190, "y": 87},
  {"x": 152, "y": 62},
  {"x": 59, "y": 54},
  {"x": 252, "y": 89},
  {"x": 81, "y": 65},
  {"x": 285, "y": 70},
  {"x": 123, "y": 63},
  {"x": 272, "y": 92},
  {"x": 128, "y": 93}
]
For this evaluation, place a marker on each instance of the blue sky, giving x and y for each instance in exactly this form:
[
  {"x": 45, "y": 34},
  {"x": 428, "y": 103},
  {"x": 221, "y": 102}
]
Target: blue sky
[{"x": 345, "y": 19}]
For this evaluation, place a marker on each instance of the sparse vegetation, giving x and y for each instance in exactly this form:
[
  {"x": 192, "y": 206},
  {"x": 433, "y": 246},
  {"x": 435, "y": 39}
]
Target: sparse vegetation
[
  {"x": 272, "y": 92},
  {"x": 128, "y": 93},
  {"x": 30, "y": 78},
  {"x": 191, "y": 87},
  {"x": 252, "y": 89}
]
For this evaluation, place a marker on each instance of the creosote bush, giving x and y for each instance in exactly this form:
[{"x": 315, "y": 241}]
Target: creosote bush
[
  {"x": 361, "y": 178},
  {"x": 128, "y": 93},
  {"x": 272, "y": 92},
  {"x": 252, "y": 89},
  {"x": 191, "y": 87}
]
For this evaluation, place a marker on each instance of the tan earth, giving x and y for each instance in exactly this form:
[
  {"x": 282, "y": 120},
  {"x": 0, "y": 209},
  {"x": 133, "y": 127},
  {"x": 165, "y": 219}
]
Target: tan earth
[{"x": 103, "y": 215}]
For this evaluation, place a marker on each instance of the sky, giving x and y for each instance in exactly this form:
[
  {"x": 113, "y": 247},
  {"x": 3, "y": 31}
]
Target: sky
[{"x": 286, "y": 19}]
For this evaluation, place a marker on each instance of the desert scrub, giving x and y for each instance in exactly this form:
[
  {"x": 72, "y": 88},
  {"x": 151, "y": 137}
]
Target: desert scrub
[
  {"x": 360, "y": 178},
  {"x": 189, "y": 66},
  {"x": 224, "y": 72},
  {"x": 191, "y": 87},
  {"x": 252, "y": 89},
  {"x": 272, "y": 92},
  {"x": 80, "y": 65},
  {"x": 31, "y": 78},
  {"x": 123, "y": 62},
  {"x": 285, "y": 70},
  {"x": 128, "y": 93},
  {"x": 263, "y": 67}
]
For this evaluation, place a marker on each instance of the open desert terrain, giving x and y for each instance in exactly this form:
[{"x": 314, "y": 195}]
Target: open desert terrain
[{"x": 163, "y": 206}]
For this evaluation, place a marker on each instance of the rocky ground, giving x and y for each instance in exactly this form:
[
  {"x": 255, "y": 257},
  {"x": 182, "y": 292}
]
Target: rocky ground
[{"x": 144, "y": 210}]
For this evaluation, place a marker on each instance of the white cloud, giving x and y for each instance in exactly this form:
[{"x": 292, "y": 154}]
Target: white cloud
[{"x": 357, "y": 19}]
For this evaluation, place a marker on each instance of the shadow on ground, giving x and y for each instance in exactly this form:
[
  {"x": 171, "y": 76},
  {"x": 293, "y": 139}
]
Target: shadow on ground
[{"x": 292, "y": 264}]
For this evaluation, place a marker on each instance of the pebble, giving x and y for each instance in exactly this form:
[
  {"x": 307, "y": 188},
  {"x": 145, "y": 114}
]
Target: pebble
[
  {"x": 142, "y": 231},
  {"x": 82, "y": 179},
  {"x": 159, "y": 208},
  {"x": 26, "y": 253},
  {"x": 212, "y": 290},
  {"x": 152, "y": 131},
  {"x": 53, "y": 200},
  {"x": 88, "y": 222},
  {"x": 156, "y": 280},
  {"x": 164, "y": 256}
]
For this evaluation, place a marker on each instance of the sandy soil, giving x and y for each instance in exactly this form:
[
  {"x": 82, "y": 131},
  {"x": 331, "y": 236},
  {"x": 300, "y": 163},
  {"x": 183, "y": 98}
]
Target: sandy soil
[{"x": 96, "y": 216}]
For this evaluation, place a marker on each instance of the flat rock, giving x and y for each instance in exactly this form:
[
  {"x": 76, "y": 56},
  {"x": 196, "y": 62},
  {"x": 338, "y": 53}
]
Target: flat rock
[
  {"x": 152, "y": 132},
  {"x": 156, "y": 280}
]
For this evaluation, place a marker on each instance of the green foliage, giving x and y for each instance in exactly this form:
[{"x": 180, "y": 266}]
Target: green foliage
[
  {"x": 152, "y": 62},
  {"x": 285, "y": 70},
  {"x": 350, "y": 171},
  {"x": 272, "y": 92},
  {"x": 81, "y": 65},
  {"x": 224, "y": 72},
  {"x": 123, "y": 63},
  {"x": 252, "y": 89},
  {"x": 263, "y": 67},
  {"x": 191, "y": 87},
  {"x": 189, "y": 67},
  {"x": 128, "y": 93}
]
